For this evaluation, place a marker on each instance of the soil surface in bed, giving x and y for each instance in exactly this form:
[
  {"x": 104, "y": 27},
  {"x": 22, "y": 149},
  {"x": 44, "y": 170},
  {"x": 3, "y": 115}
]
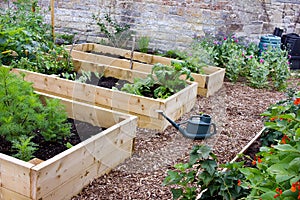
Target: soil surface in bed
[
  {"x": 235, "y": 109},
  {"x": 80, "y": 131}
]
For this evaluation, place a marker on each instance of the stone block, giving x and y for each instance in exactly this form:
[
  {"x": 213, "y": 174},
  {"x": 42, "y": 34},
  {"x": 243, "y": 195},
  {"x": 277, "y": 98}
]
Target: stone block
[
  {"x": 235, "y": 27},
  {"x": 253, "y": 28}
]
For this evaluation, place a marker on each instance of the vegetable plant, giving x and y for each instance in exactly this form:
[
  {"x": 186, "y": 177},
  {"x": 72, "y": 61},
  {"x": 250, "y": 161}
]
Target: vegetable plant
[
  {"x": 161, "y": 83},
  {"x": 143, "y": 44},
  {"x": 194, "y": 58},
  {"x": 258, "y": 72},
  {"x": 23, "y": 115},
  {"x": 286, "y": 106},
  {"x": 24, "y": 147},
  {"x": 277, "y": 175},
  {"x": 278, "y": 66},
  {"x": 86, "y": 76},
  {"x": 25, "y": 38},
  {"x": 262, "y": 69},
  {"x": 201, "y": 178}
]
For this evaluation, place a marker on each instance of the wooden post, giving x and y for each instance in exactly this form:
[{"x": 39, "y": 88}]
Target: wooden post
[
  {"x": 52, "y": 18},
  {"x": 132, "y": 51}
]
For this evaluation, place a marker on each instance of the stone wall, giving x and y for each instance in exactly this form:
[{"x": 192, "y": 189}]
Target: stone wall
[{"x": 174, "y": 23}]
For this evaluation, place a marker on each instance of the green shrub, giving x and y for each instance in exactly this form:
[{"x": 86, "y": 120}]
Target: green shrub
[
  {"x": 278, "y": 67},
  {"x": 258, "y": 72},
  {"x": 276, "y": 175}
]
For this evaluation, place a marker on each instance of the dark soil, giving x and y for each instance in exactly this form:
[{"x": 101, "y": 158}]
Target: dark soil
[
  {"x": 80, "y": 131},
  {"x": 251, "y": 151},
  {"x": 107, "y": 82},
  {"x": 110, "y": 82}
]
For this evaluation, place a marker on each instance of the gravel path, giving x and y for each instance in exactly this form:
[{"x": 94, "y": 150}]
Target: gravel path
[{"x": 236, "y": 111}]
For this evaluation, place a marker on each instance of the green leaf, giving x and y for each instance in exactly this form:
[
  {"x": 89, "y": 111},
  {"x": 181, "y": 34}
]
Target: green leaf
[
  {"x": 210, "y": 166},
  {"x": 298, "y": 132},
  {"x": 287, "y": 116},
  {"x": 279, "y": 168},
  {"x": 295, "y": 179},
  {"x": 245, "y": 171},
  {"x": 268, "y": 195},
  {"x": 286, "y": 148},
  {"x": 271, "y": 125},
  {"x": 172, "y": 178},
  {"x": 281, "y": 178},
  {"x": 198, "y": 152},
  {"x": 177, "y": 193},
  {"x": 206, "y": 178},
  {"x": 295, "y": 165},
  {"x": 182, "y": 166}
]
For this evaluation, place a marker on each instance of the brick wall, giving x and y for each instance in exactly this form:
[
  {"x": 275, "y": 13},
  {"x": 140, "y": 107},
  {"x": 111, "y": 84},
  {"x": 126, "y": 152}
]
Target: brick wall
[{"x": 174, "y": 23}]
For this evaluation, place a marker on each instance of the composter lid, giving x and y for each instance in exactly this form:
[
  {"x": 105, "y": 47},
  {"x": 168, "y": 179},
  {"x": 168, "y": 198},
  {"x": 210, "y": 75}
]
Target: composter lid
[{"x": 271, "y": 39}]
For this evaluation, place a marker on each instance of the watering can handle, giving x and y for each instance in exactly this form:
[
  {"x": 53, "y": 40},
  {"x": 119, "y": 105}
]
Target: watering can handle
[
  {"x": 195, "y": 116},
  {"x": 215, "y": 129}
]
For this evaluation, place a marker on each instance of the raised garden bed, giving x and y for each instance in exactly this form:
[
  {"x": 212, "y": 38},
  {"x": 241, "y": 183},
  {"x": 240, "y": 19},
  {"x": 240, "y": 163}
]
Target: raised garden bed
[
  {"x": 143, "y": 107},
  {"x": 208, "y": 83},
  {"x": 65, "y": 174}
]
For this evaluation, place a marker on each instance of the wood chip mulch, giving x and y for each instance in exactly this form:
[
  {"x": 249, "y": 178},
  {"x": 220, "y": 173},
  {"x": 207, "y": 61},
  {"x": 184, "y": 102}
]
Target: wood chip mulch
[{"x": 235, "y": 109}]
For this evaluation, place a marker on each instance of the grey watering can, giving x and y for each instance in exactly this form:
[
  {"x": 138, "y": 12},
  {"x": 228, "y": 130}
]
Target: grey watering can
[{"x": 198, "y": 126}]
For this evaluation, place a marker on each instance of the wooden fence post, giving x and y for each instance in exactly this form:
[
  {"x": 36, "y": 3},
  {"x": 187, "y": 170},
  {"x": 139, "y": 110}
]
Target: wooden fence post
[{"x": 52, "y": 19}]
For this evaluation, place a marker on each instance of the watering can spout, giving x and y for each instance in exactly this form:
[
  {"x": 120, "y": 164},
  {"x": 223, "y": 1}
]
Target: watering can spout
[
  {"x": 171, "y": 121},
  {"x": 194, "y": 134}
]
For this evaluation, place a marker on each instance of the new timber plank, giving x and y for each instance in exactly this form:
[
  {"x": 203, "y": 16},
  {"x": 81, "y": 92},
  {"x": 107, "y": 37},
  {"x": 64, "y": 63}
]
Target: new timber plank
[
  {"x": 15, "y": 175},
  {"x": 123, "y": 63},
  {"x": 105, "y": 165},
  {"x": 6, "y": 194}
]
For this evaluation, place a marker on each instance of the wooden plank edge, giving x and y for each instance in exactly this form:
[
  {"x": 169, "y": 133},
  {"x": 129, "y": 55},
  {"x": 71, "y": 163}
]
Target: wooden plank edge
[
  {"x": 7, "y": 194},
  {"x": 104, "y": 166},
  {"x": 248, "y": 145}
]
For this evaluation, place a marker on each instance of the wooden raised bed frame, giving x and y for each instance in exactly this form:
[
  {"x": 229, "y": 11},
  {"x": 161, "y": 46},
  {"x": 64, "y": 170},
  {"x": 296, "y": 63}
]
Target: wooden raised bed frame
[
  {"x": 208, "y": 83},
  {"x": 143, "y": 107},
  {"x": 64, "y": 175}
]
